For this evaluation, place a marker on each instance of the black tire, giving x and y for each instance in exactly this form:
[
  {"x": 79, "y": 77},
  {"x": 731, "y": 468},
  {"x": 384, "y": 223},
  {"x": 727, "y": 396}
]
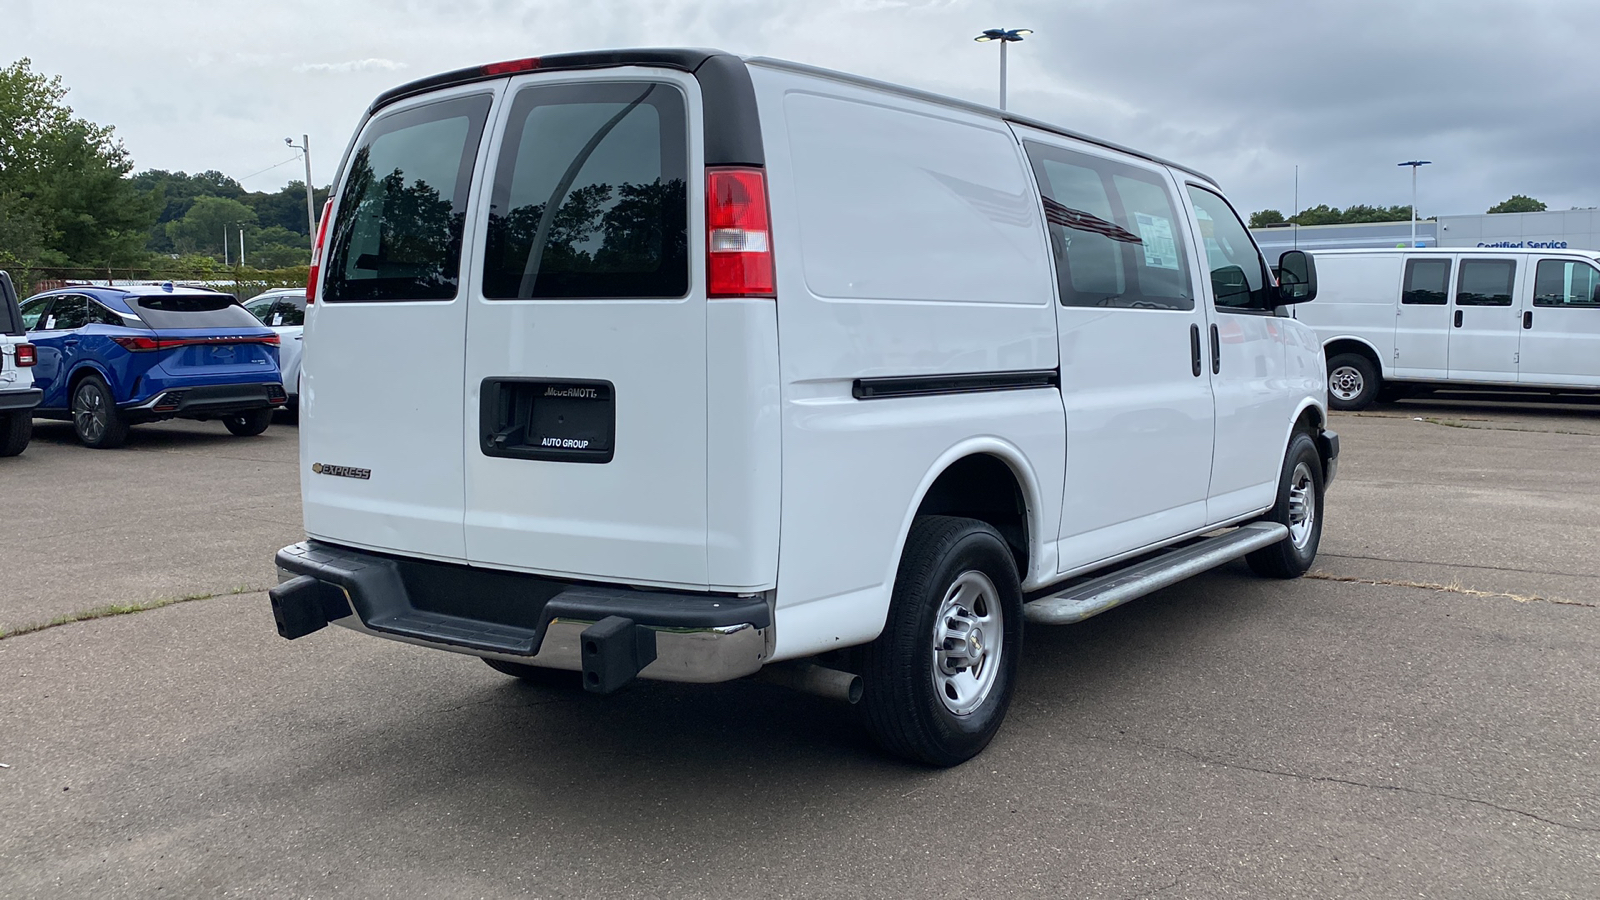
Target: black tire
[
  {"x": 95, "y": 418},
  {"x": 1353, "y": 382},
  {"x": 249, "y": 423},
  {"x": 1302, "y": 474},
  {"x": 902, "y": 706},
  {"x": 16, "y": 428},
  {"x": 552, "y": 678}
]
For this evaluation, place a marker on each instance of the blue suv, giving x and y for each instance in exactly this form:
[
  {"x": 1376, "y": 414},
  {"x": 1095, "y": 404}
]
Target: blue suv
[{"x": 108, "y": 358}]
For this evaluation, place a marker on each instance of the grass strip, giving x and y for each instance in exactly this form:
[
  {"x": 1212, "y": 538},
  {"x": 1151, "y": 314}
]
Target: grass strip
[{"x": 119, "y": 609}]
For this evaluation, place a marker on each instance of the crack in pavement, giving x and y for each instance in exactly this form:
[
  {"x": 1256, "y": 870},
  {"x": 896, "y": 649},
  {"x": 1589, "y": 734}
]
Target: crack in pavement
[
  {"x": 1166, "y": 887},
  {"x": 1448, "y": 589},
  {"x": 1349, "y": 782},
  {"x": 1459, "y": 565}
]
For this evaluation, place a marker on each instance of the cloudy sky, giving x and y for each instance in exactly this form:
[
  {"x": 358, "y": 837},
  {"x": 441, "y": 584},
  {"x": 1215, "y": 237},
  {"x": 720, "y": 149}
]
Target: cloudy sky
[{"x": 1503, "y": 96}]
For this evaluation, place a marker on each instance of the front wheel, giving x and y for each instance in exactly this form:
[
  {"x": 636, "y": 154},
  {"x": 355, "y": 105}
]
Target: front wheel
[
  {"x": 938, "y": 680},
  {"x": 1353, "y": 382},
  {"x": 248, "y": 424},
  {"x": 1299, "y": 507},
  {"x": 16, "y": 427},
  {"x": 95, "y": 419}
]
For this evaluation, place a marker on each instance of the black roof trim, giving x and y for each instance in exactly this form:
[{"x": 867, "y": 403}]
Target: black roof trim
[{"x": 733, "y": 132}]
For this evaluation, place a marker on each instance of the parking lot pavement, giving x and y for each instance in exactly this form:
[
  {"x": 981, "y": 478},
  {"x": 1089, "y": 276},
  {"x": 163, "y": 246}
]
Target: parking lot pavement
[
  {"x": 1230, "y": 736},
  {"x": 185, "y": 508}
]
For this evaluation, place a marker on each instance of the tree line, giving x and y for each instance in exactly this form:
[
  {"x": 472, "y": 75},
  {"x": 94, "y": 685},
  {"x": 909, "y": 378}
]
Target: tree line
[
  {"x": 1323, "y": 214},
  {"x": 70, "y": 201}
]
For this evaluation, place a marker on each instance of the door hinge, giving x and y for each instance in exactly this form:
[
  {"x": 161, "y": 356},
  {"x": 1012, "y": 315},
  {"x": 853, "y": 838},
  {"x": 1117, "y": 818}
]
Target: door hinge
[
  {"x": 1516, "y": 359},
  {"x": 1397, "y": 354}
]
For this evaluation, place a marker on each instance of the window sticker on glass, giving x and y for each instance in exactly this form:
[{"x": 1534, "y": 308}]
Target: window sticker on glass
[
  {"x": 277, "y": 319},
  {"x": 1160, "y": 250}
]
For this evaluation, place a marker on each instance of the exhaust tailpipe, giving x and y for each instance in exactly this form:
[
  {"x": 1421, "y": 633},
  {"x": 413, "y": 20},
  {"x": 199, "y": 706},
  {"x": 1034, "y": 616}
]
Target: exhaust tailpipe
[{"x": 814, "y": 679}]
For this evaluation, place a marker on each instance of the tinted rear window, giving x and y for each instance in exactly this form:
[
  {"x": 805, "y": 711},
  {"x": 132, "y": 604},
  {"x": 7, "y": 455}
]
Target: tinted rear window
[
  {"x": 192, "y": 311},
  {"x": 589, "y": 194},
  {"x": 1486, "y": 282},
  {"x": 404, "y": 204},
  {"x": 1427, "y": 282}
]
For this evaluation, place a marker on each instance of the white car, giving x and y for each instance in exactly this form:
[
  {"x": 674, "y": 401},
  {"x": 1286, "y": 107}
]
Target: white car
[
  {"x": 18, "y": 396},
  {"x": 284, "y": 311},
  {"x": 742, "y": 366},
  {"x": 1394, "y": 321}
]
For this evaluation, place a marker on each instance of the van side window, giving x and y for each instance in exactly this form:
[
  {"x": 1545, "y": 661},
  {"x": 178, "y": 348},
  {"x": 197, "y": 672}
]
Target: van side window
[
  {"x": 1238, "y": 274},
  {"x": 1561, "y": 282},
  {"x": 1114, "y": 232},
  {"x": 1427, "y": 282},
  {"x": 590, "y": 196},
  {"x": 1486, "y": 282},
  {"x": 398, "y": 231}
]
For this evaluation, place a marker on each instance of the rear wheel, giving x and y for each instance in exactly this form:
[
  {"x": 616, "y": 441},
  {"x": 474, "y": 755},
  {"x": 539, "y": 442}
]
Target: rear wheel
[
  {"x": 95, "y": 418},
  {"x": 16, "y": 427},
  {"x": 248, "y": 424},
  {"x": 938, "y": 680},
  {"x": 1353, "y": 382},
  {"x": 540, "y": 675},
  {"x": 1299, "y": 507}
]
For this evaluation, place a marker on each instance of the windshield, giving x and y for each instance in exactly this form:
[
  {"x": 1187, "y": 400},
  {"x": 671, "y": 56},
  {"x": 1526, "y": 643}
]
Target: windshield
[{"x": 192, "y": 311}]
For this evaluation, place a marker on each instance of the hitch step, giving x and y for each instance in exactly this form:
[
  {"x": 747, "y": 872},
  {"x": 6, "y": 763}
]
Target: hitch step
[{"x": 1095, "y": 596}]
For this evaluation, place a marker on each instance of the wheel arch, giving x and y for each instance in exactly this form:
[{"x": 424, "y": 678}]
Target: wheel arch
[
  {"x": 83, "y": 370},
  {"x": 1349, "y": 343}
]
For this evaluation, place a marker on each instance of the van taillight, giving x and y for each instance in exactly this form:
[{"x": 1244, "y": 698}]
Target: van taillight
[
  {"x": 316, "y": 253},
  {"x": 738, "y": 236},
  {"x": 26, "y": 355}
]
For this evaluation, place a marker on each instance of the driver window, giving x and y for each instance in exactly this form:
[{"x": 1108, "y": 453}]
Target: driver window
[
  {"x": 1113, "y": 232},
  {"x": 1238, "y": 275},
  {"x": 32, "y": 311},
  {"x": 261, "y": 308}
]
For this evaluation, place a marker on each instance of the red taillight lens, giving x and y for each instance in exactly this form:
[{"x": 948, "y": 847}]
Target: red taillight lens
[
  {"x": 26, "y": 355},
  {"x": 316, "y": 253},
  {"x": 738, "y": 236},
  {"x": 511, "y": 66},
  {"x": 272, "y": 339},
  {"x": 138, "y": 344}
]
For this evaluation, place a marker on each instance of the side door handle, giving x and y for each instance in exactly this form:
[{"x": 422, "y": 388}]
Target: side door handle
[
  {"x": 1527, "y": 319},
  {"x": 1216, "y": 351},
  {"x": 1458, "y": 318},
  {"x": 1194, "y": 349}
]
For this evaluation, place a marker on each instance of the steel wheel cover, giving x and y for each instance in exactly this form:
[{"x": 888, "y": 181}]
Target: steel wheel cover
[{"x": 968, "y": 640}]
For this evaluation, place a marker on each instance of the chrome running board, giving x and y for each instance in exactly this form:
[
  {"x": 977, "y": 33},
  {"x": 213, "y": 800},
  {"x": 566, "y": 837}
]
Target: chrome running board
[{"x": 1095, "y": 596}]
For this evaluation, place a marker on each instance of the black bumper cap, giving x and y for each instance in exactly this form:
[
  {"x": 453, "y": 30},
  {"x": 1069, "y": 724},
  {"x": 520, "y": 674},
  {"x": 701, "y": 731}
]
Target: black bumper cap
[
  {"x": 303, "y": 605},
  {"x": 615, "y": 650}
]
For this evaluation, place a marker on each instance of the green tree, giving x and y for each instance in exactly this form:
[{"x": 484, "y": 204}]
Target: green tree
[
  {"x": 202, "y": 228},
  {"x": 65, "y": 178},
  {"x": 1321, "y": 214},
  {"x": 1518, "y": 203},
  {"x": 1263, "y": 218}
]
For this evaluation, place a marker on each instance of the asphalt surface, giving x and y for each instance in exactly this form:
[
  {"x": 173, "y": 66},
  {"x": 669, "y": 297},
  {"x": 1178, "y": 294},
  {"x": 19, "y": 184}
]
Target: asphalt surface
[{"x": 1419, "y": 718}]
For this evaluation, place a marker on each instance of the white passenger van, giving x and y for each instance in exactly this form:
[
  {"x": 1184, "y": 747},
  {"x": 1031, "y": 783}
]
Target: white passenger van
[
  {"x": 675, "y": 365},
  {"x": 1394, "y": 321}
]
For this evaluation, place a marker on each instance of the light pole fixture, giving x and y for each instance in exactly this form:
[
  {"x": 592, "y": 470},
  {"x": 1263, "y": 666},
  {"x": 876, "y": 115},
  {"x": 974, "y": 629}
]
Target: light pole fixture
[
  {"x": 1415, "y": 164},
  {"x": 311, "y": 204},
  {"x": 1004, "y": 36}
]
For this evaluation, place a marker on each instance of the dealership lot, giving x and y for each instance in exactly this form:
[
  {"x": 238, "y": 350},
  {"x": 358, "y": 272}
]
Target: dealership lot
[{"x": 1417, "y": 718}]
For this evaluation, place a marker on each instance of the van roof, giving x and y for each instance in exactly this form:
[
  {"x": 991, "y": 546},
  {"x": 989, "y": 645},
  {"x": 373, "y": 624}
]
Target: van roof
[
  {"x": 1467, "y": 251},
  {"x": 692, "y": 59}
]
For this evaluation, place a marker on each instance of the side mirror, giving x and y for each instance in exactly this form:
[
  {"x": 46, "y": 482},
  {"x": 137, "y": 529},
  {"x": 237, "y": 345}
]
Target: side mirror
[{"x": 1297, "y": 277}]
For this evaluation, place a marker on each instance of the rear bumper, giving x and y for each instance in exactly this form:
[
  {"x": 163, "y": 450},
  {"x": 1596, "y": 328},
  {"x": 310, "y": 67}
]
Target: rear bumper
[
  {"x": 611, "y": 634},
  {"x": 27, "y": 398},
  {"x": 209, "y": 400}
]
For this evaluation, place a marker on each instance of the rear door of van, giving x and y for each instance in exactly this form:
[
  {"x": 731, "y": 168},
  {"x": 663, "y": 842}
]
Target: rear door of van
[
  {"x": 586, "y": 367},
  {"x": 380, "y": 430}
]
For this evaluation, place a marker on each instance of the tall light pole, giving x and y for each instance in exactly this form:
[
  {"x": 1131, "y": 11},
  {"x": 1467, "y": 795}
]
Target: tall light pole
[
  {"x": 311, "y": 204},
  {"x": 1415, "y": 164},
  {"x": 1004, "y": 36}
]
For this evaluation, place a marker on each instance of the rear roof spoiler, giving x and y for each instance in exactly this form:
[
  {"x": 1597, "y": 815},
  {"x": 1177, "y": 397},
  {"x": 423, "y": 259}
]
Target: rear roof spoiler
[{"x": 733, "y": 131}]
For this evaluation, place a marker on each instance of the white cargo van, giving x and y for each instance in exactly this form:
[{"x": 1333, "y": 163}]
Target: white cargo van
[
  {"x": 1394, "y": 321},
  {"x": 676, "y": 365}
]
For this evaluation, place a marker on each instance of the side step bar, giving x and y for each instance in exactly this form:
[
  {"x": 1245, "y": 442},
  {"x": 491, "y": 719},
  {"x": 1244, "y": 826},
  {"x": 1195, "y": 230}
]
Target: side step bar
[{"x": 1097, "y": 595}]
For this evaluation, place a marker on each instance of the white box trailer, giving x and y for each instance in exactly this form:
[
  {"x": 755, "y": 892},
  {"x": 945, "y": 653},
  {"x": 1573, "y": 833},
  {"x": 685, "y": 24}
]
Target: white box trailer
[{"x": 1394, "y": 321}]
